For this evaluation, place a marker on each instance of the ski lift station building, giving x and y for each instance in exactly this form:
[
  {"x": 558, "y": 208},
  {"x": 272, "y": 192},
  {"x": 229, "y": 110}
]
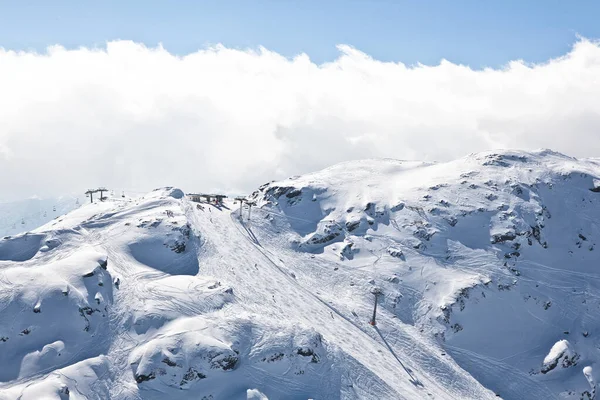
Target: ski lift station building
[{"x": 207, "y": 198}]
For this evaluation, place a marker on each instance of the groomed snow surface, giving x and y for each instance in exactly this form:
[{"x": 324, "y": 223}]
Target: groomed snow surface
[{"x": 486, "y": 270}]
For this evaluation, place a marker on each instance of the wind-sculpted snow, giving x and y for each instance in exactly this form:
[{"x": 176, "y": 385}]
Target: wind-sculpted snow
[
  {"x": 203, "y": 352},
  {"x": 485, "y": 271},
  {"x": 184, "y": 353},
  {"x": 165, "y": 250},
  {"x": 53, "y": 313}
]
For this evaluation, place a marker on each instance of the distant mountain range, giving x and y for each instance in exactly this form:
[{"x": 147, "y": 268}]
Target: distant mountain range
[{"x": 25, "y": 215}]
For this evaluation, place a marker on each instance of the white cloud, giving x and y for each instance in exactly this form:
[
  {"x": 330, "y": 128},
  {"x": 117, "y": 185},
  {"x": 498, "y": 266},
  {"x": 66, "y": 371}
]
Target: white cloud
[{"x": 127, "y": 116}]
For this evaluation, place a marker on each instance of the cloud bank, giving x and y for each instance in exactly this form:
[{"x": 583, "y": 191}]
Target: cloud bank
[{"x": 128, "y": 116}]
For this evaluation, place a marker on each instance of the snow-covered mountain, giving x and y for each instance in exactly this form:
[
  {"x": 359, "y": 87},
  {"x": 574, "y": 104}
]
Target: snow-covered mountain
[
  {"x": 25, "y": 215},
  {"x": 486, "y": 269}
]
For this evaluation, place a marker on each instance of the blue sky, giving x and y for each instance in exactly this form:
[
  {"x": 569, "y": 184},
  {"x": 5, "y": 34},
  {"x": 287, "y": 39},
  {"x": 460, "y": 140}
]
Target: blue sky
[{"x": 477, "y": 33}]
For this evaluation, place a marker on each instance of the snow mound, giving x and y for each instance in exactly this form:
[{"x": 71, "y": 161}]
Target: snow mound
[
  {"x": 53, "y": 316},
  {"x": 175, "y": 296},
  {"x": 255, "y": 394},
  {"x": 186, "y": 352},
  {"x": 562, "y": 354},
  {"x": 67, "y": 383},
  {"x": 588, "y": 372},
  {"x": 169, "y": 252},
  {"x": 168, "y": 191},
  {"x": 201, "y": 351}
]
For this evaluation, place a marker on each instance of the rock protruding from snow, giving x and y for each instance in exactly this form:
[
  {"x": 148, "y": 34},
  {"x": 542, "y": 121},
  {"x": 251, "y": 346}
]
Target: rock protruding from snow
[
  {"x": 588, "y": 372},
  {"x": 561, "y": 354},
  {"x": 347, "y": 251},
  {"x": 187, "y": 352},
  {"x": 327, "y": 232},
  {"x": 395, "y": 252}
]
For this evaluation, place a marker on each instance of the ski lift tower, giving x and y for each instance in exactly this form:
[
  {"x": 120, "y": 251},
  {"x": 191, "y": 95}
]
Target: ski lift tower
[
  {"x": 376, "y": 291},
  {"x": 90, "y": 193},
  {"x": 102, "y": 190},
  {"x": 241, "y": 200},
  {"x": 250, "y": 204}
]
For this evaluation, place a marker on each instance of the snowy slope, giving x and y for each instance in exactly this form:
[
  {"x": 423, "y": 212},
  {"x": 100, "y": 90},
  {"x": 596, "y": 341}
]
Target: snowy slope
[
  {"x": 486, "y": 266},
  {"x": 25, "y": 215}
]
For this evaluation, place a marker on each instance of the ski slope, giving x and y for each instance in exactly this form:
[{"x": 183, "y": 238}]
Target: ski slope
[{"x": 486, "y": 266}]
